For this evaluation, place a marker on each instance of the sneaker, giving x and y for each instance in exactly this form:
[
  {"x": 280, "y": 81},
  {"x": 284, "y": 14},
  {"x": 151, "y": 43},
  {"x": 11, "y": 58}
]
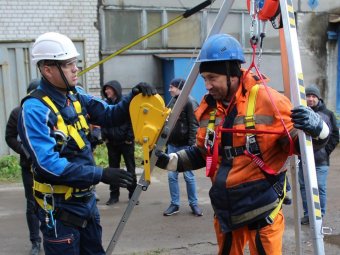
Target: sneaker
[
  {"x": 35, "y": 248},
  {"x": 112, "y": 201},
  {"x": 305, "y": 220},
  {"x": 196, "y": 210},
  {"x": 172, "y": 209}
]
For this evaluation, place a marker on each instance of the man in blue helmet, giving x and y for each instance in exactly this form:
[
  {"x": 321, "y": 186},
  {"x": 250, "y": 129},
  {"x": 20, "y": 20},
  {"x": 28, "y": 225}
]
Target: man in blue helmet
[
  {"x": 54, "y": 128},
  {"x": 244, "y": 141}
]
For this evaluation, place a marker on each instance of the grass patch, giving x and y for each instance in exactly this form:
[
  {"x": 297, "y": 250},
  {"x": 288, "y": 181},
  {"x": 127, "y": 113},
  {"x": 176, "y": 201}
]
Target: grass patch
[
  {"x": 10, "y": 170},
  {"x": 100, "y": 156}
]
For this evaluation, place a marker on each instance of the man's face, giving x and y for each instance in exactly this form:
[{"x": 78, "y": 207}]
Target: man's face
[
  {"x": 312, "y": 100},
  {"x": 174, "y": 91},
  {"x": 216, "y": 84},
  {"x": 109, "y": 92},
  {"x": 69, "y": 68}
]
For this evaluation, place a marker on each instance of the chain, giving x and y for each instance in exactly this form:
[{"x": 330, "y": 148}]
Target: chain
[{"x": 257, "y": 29}]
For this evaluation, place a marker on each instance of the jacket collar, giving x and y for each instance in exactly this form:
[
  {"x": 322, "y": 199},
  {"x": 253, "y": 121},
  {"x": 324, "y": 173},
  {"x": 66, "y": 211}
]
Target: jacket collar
[{"x": 57, "y": 97}]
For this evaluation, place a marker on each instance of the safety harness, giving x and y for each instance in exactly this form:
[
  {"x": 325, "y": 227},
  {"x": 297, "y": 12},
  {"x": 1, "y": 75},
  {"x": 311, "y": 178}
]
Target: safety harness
[
  {"x": 44, "y": 193},
  {"x": 250, "y": 149},
  {"x": 68, "y": 130}
]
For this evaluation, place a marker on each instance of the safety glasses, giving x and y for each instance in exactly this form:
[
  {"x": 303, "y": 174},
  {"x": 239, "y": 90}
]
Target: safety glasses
[
  {"x": 69, "y": 63},
  {"x": 66, "y": 64}
]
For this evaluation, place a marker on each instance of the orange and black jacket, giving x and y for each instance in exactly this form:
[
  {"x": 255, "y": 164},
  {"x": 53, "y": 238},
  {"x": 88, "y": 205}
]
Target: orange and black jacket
[{"x": 239, "y": 186}]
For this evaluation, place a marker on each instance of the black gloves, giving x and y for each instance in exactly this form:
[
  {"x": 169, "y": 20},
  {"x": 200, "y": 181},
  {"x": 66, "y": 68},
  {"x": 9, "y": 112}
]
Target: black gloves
[
  {"x": 117, "y": 177},
  {"x": 306, "y": 119},
  {"x": 163, "y": 159},
  {"x": 145, "y": 88},
  {"x": 170, "y": 162}
]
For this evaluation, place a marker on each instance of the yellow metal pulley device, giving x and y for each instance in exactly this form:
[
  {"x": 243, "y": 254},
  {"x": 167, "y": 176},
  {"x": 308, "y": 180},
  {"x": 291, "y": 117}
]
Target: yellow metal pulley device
[{"x": 148, "y": 115}]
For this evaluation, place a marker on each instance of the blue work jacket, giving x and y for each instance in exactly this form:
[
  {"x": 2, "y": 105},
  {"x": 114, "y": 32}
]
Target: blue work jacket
[{"x": 72, "y": 166}]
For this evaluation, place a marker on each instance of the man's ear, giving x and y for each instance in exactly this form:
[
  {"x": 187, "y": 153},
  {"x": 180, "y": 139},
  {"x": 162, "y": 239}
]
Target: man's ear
[{"x": 46, "y": 71}]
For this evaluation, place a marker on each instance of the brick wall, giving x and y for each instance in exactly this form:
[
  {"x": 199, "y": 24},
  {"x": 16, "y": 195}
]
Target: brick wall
[{"x": 25, "y": 20}]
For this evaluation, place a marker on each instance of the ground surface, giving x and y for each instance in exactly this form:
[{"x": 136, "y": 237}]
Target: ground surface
[{"x": 149, "y": 232}]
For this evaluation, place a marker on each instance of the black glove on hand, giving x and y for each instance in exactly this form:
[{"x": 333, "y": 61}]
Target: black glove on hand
[
  {"x": 117, "y": 177},
  {"x": 306, "y": 119},
  {"x": 145, "y": 88},
  {"x": 163, "y": 159}
]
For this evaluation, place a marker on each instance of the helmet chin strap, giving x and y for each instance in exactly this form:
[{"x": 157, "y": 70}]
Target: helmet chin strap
[{"x": 68, "y": 87}]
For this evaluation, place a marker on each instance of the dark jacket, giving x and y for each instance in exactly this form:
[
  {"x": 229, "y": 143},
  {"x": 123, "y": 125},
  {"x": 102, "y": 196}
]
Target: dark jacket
[
  {"x": 13, "y": 140},
  {"x": 322, "y": 153},
  {"x": 119, "y": 134},
  {"x": 184, "y": 132}
]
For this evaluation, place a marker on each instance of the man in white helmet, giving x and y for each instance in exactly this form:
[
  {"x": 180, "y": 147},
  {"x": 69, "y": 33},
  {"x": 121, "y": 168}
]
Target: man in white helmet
[{"x": 53, "y": 126}]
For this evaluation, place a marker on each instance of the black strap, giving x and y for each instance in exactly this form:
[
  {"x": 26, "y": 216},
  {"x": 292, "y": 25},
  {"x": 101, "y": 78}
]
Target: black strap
[
  {"x": 231, "y": 152},
  {"x": 258, "y": 243}
]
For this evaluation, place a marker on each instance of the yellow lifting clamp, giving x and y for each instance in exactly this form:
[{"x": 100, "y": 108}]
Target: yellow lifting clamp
[{"x": 148, "y": 115}]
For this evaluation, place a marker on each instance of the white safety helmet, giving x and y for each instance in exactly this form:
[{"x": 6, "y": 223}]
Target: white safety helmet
[{"x": 53, "y": 46}]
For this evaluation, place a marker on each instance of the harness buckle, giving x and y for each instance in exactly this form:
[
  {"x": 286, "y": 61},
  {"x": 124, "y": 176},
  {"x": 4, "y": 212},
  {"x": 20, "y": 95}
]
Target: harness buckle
[
  {"x": 252, "y": 145},
  {"x": 209, "y": 138},
  {"x": 227, "y": 152},
  {"x": 277, "y": 186}
]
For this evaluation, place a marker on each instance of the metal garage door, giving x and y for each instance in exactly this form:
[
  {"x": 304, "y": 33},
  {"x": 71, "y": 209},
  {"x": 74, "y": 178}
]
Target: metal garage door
[{"x": 15, "y": 74}]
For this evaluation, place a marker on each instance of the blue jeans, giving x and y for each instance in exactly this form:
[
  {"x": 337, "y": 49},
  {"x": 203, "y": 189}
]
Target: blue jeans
[
  {"x": 189, "y": 178},
  {"x": 321, "y": 176}
]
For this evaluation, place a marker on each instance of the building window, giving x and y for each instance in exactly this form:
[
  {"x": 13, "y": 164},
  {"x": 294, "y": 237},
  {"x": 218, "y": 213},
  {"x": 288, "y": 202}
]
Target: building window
[
  {"x": 154, "y": 20},
  {"x": 186, "y": 33},
  {"x": 121, "y": 28}
]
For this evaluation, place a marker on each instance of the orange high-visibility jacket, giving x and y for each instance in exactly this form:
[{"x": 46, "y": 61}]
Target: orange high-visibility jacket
[
  {"x": 274, "y": 147},
  {"x": 239, "y": 185}
]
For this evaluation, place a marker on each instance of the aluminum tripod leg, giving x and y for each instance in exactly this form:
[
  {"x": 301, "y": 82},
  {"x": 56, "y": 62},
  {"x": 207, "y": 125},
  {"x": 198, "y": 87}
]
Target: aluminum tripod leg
[
  {"x": 294, "y": 160},
  {"x": 298, "y": 97},
  {"x": 161, "y": 142}
]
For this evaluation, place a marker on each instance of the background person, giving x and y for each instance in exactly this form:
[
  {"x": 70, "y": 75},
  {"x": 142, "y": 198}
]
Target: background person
[
  {"x": 53, "y": 127},
  {"x": 246, "y": 196},
  {"x": 13, "y": 141},
  {"x": 182, "y": 136},
  {"x": 119, "y": 141},
  {"x": 322, "y": 152}
]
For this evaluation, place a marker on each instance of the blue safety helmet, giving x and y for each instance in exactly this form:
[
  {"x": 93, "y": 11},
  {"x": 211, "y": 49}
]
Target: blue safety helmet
[{"x": 221, "y": 47}]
